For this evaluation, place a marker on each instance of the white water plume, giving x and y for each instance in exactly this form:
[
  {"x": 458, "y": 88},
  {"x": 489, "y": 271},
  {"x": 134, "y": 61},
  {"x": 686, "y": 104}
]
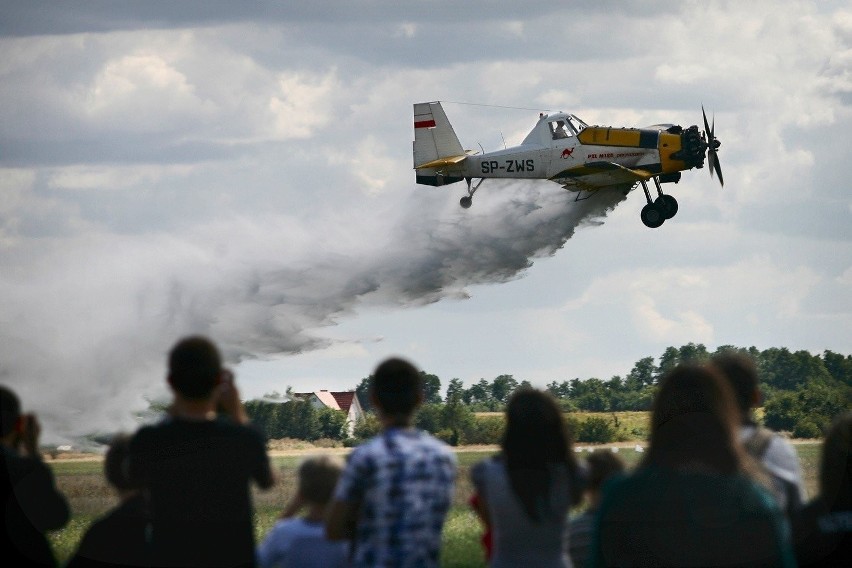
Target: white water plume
[{"x": 84, "y": 336}]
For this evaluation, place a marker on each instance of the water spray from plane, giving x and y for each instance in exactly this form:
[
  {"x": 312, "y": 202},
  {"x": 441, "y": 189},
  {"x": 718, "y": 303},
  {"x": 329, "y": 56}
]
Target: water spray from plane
[{"x": 84, "y": 341}]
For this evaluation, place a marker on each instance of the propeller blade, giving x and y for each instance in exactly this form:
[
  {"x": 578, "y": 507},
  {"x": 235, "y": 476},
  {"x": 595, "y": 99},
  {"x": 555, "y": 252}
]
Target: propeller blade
[
  {"x": 718, "y": 167},
  {"x": 712, "y": 144},
  {"x": 711, "y": 161}
]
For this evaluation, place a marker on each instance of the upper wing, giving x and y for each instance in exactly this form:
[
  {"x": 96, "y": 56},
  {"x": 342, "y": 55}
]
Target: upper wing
[{"x": 595, "y": 175}]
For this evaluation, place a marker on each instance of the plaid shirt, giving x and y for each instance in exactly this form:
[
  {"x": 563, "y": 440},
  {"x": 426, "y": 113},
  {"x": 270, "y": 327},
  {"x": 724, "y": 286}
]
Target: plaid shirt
[{"x": 402, "y": 481}]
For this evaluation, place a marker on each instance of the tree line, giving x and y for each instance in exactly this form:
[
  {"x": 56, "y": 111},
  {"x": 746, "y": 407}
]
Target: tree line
[{"x": 802, "y": 393}]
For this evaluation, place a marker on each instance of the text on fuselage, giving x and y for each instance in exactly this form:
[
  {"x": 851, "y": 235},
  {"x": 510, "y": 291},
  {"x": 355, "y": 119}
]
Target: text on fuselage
[{"x": 508, "y": 166}]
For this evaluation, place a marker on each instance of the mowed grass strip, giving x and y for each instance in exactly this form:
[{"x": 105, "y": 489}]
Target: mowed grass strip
[{"x": 89, "y": 496}]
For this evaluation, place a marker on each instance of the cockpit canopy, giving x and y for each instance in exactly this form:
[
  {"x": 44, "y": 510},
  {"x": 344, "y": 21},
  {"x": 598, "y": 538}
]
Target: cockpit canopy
[
  {"x": 563, "y": 125},
  {"x": 555, "y": 126}
]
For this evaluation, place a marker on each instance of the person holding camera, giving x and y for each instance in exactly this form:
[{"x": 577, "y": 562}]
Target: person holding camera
[
  {"x": 197, "y": 465},
  {"x": 31, "y": 504}
]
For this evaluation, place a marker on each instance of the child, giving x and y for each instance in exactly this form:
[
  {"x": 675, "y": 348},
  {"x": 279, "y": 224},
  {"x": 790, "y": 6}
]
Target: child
[
  {"x": 601, "y": 465},
  {"x": 119, "y": 538},
  {"x": 301, "y": 541},
  {"x": 396, "y": 489}
]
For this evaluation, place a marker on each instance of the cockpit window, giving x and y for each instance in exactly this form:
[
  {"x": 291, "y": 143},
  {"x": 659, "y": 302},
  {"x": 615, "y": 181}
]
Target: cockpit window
[
  {"x": 578, "y": 124},
  {"x": 565, "y": 126},
  {"x": 559, "y": 129}
]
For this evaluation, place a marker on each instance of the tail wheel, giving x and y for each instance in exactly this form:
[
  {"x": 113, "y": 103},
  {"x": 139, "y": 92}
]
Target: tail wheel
[
  {"x": 466, "y": 202},
  {"x": 652, "y": 215},
  {"x": 667, "y": 204}
]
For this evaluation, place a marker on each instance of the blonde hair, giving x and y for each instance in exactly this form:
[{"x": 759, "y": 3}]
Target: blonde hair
[{"x": 318, "y": 477}]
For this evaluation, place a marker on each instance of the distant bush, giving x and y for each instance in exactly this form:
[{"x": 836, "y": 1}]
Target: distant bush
[
  {"x": 367, "y": 426},
  {"x": 596, "y": 430},
  {"x": 485, "y": 430}
]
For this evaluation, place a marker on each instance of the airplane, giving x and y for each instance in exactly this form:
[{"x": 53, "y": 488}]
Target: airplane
[{"x": 564, "y": 149}]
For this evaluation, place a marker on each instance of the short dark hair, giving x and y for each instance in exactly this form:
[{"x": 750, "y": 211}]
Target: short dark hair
[
  {"x": 10, "y": 410},
  {"x": 194, "y": 367},
  {"x": 397, "y": 386},
  {"x": 116, "y": 463},
  {"x": 318, "y": 477},
  {"x": 603, "y": 464},
  {"x": 741, "y": 373}
]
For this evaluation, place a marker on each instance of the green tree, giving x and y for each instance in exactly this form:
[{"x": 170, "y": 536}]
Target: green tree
[
  {"x": 559, "y": 390},
  {"x": 693, "y": 353},
  {"x": 362, "y": 391},
  {"x": 331, "y": 424},
  {"x": 641, "y": 375},
  {"x": 367, "y": 426},
  {"x": 668, "y": 361},
  {"x": 502, "y": 388},
  {"x": 431, "y": 388},
  {"x": 838, "y": 366},
  {"x": 594, "y": 396},
  {"x": 808, "y": 411},
  {"x": 457, "y": 419},
  {"x": 455, "y": 390},
  {"x": 672, "y": 357},
  {"x": 783, "y": 370},
  {"x": 479, "y": 394},
  {"x": 429, "y": 418}
]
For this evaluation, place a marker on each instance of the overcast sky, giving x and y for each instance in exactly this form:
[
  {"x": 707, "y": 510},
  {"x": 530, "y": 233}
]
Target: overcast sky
[{"x": 244, "y": 170}]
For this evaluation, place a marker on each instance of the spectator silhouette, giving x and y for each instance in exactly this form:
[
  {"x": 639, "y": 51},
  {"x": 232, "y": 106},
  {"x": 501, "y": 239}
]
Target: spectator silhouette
[
  {"x": 823, "y": 528},
  {"x": 693, "y": 500},
  {"x": 197, "y": 465},
  {"x": 600, "y": 466},
  {"x": 525, "y": 492},
  {"x": 31, "y": 504},
  {"x": 775, "y": 454},
  {"x": 120, "y": 537},
  {"x": 301, "y": 542},
  {"x": 396, "y": 489}
]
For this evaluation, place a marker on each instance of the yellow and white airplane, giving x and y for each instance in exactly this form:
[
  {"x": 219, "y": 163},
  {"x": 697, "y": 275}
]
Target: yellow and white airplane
[{"x": 564, "y": 149}]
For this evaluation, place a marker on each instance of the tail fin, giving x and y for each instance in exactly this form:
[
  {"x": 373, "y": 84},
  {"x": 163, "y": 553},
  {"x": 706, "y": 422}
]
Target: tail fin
[{"x": 437, "y": 151}]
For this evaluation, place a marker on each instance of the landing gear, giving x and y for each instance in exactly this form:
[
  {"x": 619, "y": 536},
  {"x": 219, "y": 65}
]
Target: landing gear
[
  {"x": 467, "y": 200},
  {"x": 657, "y": 211},
  {"x": 652, "y": 215},
  {"x": 668, "y": 204}
]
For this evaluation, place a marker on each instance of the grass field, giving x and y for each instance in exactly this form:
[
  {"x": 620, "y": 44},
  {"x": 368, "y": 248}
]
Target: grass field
[{"x": 83, "y": 484}]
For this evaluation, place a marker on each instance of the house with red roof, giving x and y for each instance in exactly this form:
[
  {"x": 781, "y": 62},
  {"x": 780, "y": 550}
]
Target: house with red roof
[{"x": 344, "y": 401}]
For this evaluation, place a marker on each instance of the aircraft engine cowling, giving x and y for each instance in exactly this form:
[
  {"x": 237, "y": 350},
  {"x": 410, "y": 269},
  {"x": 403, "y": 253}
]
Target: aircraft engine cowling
[{"x": 693, "y": 148}]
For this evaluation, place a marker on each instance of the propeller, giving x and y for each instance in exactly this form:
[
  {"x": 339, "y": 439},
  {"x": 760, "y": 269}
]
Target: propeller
[{"x": 712, "y": 146}]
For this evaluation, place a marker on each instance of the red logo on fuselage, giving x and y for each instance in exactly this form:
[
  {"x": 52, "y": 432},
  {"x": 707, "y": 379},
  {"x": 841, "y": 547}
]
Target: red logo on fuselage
[{"x": 566, "y": 153}]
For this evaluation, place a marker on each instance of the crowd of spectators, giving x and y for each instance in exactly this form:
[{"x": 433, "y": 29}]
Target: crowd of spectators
[{"x": 713, "y": 488}]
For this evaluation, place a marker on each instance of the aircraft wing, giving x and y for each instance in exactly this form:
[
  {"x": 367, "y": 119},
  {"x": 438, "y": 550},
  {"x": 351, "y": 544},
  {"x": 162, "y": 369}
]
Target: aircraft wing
[{"x": 595, "y": 175}]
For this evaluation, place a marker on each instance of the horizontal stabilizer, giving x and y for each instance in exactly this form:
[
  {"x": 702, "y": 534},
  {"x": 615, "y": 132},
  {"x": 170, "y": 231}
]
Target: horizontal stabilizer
[{"x": 442, "y": 162}]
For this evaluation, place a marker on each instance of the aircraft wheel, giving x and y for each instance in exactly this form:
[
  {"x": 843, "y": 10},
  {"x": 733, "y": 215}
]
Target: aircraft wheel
[
  {"x": 668, "y": 204},
  {"x": 466, "y": 202},
  {"x": 652, "y": 216}
]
